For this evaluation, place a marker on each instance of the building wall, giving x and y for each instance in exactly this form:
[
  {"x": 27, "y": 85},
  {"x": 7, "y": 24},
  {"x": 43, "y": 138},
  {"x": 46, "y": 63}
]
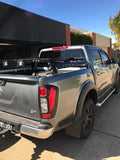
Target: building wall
[
  {"x": 104, "y": 48},
  {"x": 68, "y": 37},
  {"x": 102, "y": 41},
  {"x": 75, "y": 29},
  {"x": 93, "y": 35},
  {"x": 20, "y": 26}
]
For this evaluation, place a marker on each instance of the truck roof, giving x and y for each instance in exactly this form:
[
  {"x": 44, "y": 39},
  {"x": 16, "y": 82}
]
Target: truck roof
[{"x": 69, "y": 47}]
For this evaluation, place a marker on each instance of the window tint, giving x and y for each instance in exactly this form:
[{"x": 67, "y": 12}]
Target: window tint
[
  {"x": 104, "y": 57},
  {"x": 72, "y": 54},
  {"x": 63, "y": 54},
  {"x": 96, "y": 59}
]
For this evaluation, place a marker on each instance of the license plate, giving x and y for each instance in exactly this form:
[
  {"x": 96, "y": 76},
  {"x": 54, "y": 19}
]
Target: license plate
[{"x": 6, "y": 126}]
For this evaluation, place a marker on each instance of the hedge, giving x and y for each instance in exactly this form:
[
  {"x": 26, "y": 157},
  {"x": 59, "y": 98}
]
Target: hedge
[{"x": 80, "y": 39}]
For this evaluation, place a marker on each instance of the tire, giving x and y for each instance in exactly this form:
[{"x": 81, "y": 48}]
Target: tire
[
  {"x": 116, "y": 89},
  {"x": 117, "y": 85},
  {"x": 88, "y": 118}
]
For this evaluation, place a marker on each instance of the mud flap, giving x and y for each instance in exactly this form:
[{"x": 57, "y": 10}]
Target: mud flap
[{"x": 74, "y": 129}]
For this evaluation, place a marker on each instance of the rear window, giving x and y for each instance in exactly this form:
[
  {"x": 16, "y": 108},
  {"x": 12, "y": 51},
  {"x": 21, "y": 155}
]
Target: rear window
[{"x": 63, "y": 54}]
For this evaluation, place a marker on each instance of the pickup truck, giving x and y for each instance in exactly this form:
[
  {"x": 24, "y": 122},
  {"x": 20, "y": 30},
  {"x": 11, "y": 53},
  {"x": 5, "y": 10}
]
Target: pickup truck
[{"x": 59, "y": 89}]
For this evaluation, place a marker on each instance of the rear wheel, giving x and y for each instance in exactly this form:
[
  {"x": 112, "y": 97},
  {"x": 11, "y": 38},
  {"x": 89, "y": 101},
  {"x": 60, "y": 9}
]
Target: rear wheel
[
  {"x": 117, "y": 85},
  {"x": 88, "y": 118},
  {"x": 116, "y": 89}
]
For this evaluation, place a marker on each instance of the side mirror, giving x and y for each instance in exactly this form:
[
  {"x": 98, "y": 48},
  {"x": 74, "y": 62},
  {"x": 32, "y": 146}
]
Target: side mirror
[
  {"x": 114, "y": 60},
  {"x": 107, "y": 62}
]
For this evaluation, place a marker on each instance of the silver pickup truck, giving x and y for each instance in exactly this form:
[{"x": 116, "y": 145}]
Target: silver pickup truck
[{"x": 59, "y": 89}]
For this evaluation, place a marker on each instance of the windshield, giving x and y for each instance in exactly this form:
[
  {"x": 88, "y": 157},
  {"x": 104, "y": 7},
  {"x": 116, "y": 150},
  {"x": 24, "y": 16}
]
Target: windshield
[{"x": 63, "y": 54}]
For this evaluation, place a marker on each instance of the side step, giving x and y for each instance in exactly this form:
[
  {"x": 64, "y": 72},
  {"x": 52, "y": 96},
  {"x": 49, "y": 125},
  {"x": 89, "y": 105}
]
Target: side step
[{"x": 99, "y": 104}]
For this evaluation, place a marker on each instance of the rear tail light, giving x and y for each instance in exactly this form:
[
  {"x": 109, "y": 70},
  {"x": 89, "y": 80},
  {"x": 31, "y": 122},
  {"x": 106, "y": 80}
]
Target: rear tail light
[
  {"x": 43, "y": 91},
  {"x": 44, "y": 106},
  {"x": 48, "y": 115},
  {"x": 48, "y": 96},
  {"x": 51, "y": 98}
]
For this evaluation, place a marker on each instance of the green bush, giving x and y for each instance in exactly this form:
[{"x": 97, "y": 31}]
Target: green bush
[{"x": 80, "y": 39}]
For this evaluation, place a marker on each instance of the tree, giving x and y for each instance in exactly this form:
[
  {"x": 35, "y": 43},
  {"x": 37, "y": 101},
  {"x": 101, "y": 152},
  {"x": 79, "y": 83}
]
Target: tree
[{"x": 114, "y": 24}]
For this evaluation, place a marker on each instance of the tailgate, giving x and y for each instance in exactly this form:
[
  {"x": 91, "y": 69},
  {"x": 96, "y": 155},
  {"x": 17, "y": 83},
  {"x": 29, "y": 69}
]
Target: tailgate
[{"x": 19, "y": 95}]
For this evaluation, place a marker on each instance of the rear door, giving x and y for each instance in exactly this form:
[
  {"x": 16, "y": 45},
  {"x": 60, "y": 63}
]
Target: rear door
[
  {"x": 19, "y": 96},
  {"x": 100, "y": 72}
]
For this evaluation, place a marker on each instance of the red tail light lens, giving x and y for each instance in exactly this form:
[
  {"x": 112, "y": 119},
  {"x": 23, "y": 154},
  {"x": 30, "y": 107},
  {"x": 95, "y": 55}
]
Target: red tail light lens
[
  {"x": 48, "y": 101},
  {"x": 52, "y": 97},
  {"x": 48, "y": 115},
  {"x": 43, "y": 91}
]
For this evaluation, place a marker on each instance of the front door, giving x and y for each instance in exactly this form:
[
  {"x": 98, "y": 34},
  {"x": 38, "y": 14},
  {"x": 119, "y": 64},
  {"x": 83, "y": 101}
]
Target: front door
[
  {"x": 100, "y": 72},
  {"x": 108, "y": 69}
]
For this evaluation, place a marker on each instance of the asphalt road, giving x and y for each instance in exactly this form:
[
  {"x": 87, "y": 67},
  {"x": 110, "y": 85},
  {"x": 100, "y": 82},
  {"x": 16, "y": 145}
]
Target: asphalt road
[{"x": 102, "y": 144}]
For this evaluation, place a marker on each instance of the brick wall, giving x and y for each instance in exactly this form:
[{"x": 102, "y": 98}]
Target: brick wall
[
  {"x": 110, "y": 49},
  {"x": 68, "y": 37},
  {"x": 93, "y": 35}
]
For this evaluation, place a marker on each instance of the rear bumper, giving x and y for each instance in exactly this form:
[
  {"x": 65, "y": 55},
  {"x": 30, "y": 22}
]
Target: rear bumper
[
  {"x": 26, "y": 126},
  {"x": 36, "y": 132}
]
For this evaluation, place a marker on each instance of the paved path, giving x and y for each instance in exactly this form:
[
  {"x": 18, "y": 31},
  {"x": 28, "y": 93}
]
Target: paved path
[{"x": 103, "y": 143}]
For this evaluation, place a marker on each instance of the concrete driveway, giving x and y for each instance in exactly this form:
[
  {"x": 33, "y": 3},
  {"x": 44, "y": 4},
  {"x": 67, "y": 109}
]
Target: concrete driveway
[{"x": 103, "y": 143}]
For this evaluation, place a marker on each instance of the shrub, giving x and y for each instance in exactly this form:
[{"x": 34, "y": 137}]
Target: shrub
[{"x": 80, "y": 39}]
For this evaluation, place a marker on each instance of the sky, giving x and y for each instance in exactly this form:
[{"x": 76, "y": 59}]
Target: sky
[{"x": 89, "y": 15}]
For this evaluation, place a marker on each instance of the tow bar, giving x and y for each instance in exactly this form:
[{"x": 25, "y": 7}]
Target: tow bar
[
  {"x": 3, "y": 130},
  {"x": 4, "y": 127}
]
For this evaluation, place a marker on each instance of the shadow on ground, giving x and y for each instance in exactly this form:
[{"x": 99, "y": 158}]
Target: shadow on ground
[
  {"x": 58, "y": 143},
  {"x": 7, "y": 141},
  {"x": 104, "y": 142},
  {"x": 97, "y": 147}
]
